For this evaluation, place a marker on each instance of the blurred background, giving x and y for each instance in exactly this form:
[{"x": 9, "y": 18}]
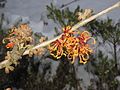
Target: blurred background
[{"x": 46, "y": 18}]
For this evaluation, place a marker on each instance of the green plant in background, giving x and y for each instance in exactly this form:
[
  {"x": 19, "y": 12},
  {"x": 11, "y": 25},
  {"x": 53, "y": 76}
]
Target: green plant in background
[
  {"x": 2, "y": 32},
  {"x": 2, "y": 51},
  {"x": 107, "y": 69},
  {"x": 110, "y": 32},
  {"x": 62, "y": 17},
  {"x": 106, "y": 72},
  {"x": 65, "y": 17}
]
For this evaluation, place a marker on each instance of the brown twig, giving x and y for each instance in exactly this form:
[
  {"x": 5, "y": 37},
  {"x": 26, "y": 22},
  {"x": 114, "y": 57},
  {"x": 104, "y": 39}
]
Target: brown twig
[{"x": 2, "y": 64}]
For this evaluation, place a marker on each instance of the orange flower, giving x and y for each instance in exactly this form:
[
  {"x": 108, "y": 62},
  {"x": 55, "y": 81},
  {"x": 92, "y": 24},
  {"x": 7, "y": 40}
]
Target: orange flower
[
  {"x": 71, "y": 49},
  {"x": 84, "y": 37},
  {"x": 70, "y": 41},
  {"x": 56, "y": 48},
  {"x": 72, "y": 46},
  {"x": 67, "y": 32},
  {"x": 72, "y": 53},
  {"x": 78, "y": 47},
  {"x": 84, "y": 48},
  {"x": 10, "y": 45},
  {"x": 84, "y": 52}
]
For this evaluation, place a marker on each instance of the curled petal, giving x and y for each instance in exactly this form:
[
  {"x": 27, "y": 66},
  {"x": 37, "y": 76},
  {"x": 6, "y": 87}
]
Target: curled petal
[
  {"x": 58, "y": 53},
  {"x": 72, "y": 54},
  {"x": 84, "y": 59},
  {"x": 73, "y": 60},
  {"x": 56, "y": 56},
  {"x": 67, "y": 31},
  {"x": 85, "y": 35},
  {"x": 56, "y": 48},
  {"x": 94, "y": 42}
]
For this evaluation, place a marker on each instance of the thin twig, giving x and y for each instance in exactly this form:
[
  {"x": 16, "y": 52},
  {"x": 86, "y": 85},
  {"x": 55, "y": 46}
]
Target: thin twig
[
  {"x": 64, "y": 5},
  {"x": 73, "y": 28}
]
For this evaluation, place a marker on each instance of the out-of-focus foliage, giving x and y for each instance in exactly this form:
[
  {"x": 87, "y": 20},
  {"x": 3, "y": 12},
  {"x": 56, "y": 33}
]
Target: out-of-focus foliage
[
  {"x": 110, "y": 32},
  {"x": 107, "y": 69},
  {"x": 27, "y": 74},
  {"x": 106, "y": 72},
  {"x": 65, "y": 17}
]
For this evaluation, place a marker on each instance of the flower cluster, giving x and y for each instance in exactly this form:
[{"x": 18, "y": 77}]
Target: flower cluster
[
  {"x": 18, "y": 40},
  {"x": 18, "y": 35},
  {"x": 84, "y": 14},
  {"x": 73, "y": 45}
]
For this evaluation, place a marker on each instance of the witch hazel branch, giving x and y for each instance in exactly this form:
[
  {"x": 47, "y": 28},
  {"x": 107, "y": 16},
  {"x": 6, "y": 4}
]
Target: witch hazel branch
[{"x": 71, "y": 43}]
